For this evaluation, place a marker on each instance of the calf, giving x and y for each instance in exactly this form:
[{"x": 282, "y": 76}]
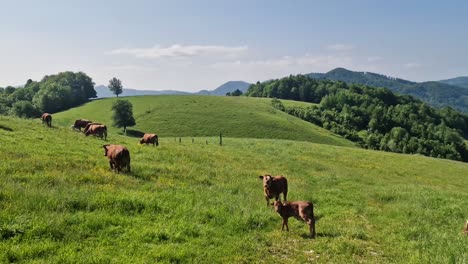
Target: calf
[
  {"x": 119, "y": 157},
  {"x": 301, "y": 210},
  {"x": 88, "y": 125},
  {"x": 81, "y": 123},
  {"x": 149, "y": 139},
  {"x": 97, "y": 130},
  {"x": 465, "y": 230},
  {"x": 47, "y": 118},
  {"x": 274, "y": 186}
]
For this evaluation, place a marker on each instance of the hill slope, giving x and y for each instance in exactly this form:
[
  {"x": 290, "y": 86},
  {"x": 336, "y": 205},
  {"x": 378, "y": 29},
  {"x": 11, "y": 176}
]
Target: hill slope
[
  {"x": 196, "y": 115},
  {"x": 458, "y": 81},
  {"x": 434, "y": 93},
  {"x": 59, "y": 203},
  {"x": 104, "y": 92}
]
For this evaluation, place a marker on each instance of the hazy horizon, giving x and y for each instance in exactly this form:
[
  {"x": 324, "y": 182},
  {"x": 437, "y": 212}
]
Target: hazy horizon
[{"x": 192, "y": 46}]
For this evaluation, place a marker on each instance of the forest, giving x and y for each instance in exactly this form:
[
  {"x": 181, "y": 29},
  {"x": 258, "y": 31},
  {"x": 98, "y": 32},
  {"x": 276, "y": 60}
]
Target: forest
[
  {"x": 375, "y": 118},
  {"x": 52, "y": 94}
]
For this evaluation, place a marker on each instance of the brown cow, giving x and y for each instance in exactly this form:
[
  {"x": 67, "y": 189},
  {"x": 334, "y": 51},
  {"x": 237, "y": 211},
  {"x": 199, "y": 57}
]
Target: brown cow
[
  {"x": 301, "y": 210},
  {"x": 119, "y": 157},
  {"x": 97, "y": 130},
  {"x": 81, "y": 123},
  {"x": 274, "y": 186},
  {"x": 465, "y": 230},
  {"x": 150, "y": 139},
  {"x": 47, "y": 118},
  {"x": 88, "y": 125}
]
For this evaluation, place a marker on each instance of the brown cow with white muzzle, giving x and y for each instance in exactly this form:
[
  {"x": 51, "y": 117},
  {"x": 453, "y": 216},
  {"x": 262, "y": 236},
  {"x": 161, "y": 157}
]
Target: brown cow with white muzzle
[
  {"x": 273, "y": 186},
  {"x": 301, "y": 210},
  {"x": 97, "y": 130},
  {"x": 119, "y": 157},
  {"x": 150, "y": 139}
]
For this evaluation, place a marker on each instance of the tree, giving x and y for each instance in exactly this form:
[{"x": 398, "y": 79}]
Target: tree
[
  {"x": 237, "y": 92},
  {"x": 123, "y": 114},
  {"x": 115, "y": 85},
  {"x": 24, "y": 109}
]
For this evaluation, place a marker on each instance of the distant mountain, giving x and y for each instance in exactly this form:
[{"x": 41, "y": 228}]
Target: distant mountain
[
  {"x": 459, "y": 81},
  {"x": 434, "y": 93},
  {"x": 103, "y": 91},
  {"x": 227, "y": 87}
]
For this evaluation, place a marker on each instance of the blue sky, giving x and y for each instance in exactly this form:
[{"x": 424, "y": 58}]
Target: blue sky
[{"x": 194, "y": 45}]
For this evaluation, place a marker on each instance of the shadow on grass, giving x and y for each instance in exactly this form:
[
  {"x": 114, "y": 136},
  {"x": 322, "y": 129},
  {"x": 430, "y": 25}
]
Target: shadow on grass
[
  {"x": 5, "y": 128},
  {"x": 133, "y": 133}
]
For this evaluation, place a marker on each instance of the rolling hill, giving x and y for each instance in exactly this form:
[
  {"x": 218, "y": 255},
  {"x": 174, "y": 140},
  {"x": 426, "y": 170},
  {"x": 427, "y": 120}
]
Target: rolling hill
[
  {"x": 458, "y": 81},
  {"x": 227, "y": 87},
  {"x": 197, "y": 115},
  {"x": 192, "y": 202},
  {"x": 434, "y": 93},
  {"x": 104, "y": 92}
]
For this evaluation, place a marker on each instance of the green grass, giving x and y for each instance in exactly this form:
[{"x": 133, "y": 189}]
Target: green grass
[
  {"x": 291, "y": 103},
  {"x": 195, "y": 116},
  {"x": 192, "y": 202}
]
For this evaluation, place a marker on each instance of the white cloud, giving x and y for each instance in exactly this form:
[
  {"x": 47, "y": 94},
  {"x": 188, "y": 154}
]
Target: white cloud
[
  {"x": 180, "y": 51},
  {"x": 374, "y": 58},
  {"x": 306, "y": 61},
  {"x": 340, "y": 47},
  {"x": 412, "y": 65}
]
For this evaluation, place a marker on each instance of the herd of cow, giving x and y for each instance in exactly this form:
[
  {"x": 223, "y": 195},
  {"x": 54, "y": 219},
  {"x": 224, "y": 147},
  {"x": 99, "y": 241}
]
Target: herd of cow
[{"x": 273, "y": 186}]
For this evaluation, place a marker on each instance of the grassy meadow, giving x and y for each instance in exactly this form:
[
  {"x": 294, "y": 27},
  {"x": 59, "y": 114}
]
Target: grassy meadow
[
  {"x": 203, "y": 203},
  {"x": 199, "y": 116}
]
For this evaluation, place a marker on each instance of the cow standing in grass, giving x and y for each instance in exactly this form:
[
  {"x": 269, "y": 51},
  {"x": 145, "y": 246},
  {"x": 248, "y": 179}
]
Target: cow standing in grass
[
  {"x": 81, "y": 123},
  {"x": 47, "y": 118},
  {"x": 119, "y": 157},
  {"x": 150, "y": 139},
  {"x": 273, "y": 186},
  {"x": 97, "y": 130},
  {"x": 301, "y": 210}
]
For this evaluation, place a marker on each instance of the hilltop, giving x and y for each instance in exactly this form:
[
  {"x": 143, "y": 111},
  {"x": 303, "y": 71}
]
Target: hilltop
[
  {"x": 228, "y": 87},
  {"x": 197, "y": 115},
  {"x": 434, "y": 93},
  {"x": 458, "y": 81},
  {"x": 191, "y": 202}
]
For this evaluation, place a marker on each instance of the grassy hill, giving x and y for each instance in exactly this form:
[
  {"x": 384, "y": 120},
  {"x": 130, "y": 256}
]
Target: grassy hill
[
  {"x": 195, "y": 115},
  {"x": 59, "y": 203}
]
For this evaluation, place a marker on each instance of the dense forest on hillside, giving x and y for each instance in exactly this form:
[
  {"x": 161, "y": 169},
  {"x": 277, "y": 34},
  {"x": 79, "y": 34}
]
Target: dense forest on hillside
[
  {"x": 52, "y": 94},
  {"x": 376, "y": 118},
  {"x": 437, "y": 94}
]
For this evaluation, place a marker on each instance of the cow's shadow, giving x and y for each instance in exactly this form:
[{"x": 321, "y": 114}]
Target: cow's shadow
[
  {"x": 133, "y": 133},
  {"x": 5, "y": 128}
]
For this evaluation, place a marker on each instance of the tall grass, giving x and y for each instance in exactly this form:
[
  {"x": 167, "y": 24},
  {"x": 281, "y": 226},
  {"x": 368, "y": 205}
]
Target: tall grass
[{"x": 198, "y": 202}]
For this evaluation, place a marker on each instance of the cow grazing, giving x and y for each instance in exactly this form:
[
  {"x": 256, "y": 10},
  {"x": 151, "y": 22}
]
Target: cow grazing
[
  {"x": 301, "y": 210},
  {"x": 465, "y": 230},
  {"x": 150, "y": 139},
  {"x": 47, "y": 118},
  {"x": 81, "y": 123},
  {"x": 274, "y": 186},
  {"x": 119, "y": 157},
  {"x": 88, "y": 125},
  {"x": 97, "y": 130}
]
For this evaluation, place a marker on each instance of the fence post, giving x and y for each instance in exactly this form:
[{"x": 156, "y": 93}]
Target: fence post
[
  {"x": 180, "y": 140},
  {"x": 192, "y": 140},
  {"x": 220, "y": 139}
]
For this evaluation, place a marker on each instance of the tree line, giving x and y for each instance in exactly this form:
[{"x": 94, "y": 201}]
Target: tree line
[
  {"x": 52, "y": 94},
  {"x": 376, "y": 118}
]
